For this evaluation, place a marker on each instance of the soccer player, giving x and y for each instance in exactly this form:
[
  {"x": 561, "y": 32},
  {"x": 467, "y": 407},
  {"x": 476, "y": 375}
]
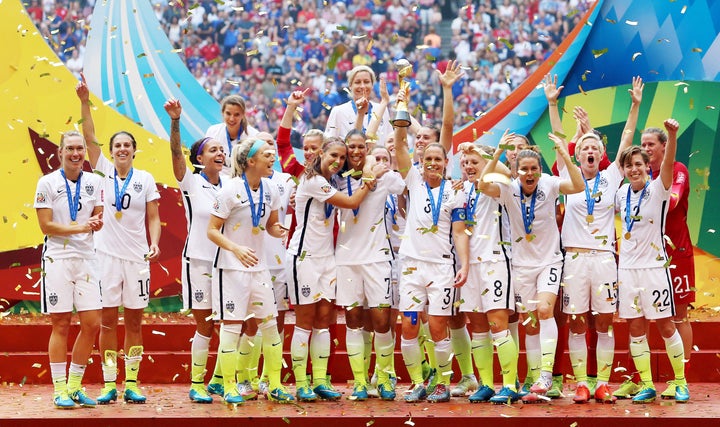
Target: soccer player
[
  {"x": 131, "y": 202},
  {"x": 311, "y": 267},
  {"x": 435, "y": 230},
  {"x": 645, "y": 290},
  {"x": 199, "y": 190},
  {"x": 69, "y": 206},
  {"x": 488, "y": 297},
  {"x": 678, "y": 246},
  {"x": 243, "y": 211},
  {"x": 234, "y": 126},
  {"x": 363, "y": 256},
  {"x": 537, "y": 257}
]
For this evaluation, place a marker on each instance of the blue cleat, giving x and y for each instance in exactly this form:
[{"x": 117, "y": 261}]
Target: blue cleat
[
  {"x": 305, "y": 394},
  {"x": 280, "y": 395},
  {"x": 645, "y": 395},
  {"x": 107, "y": 394},
  {"x": 416, "y": 394},
  {"x": 360, "y": 392},
  {"x": 82, "y": 399},
  {"x": 326, "y": 392},
  {"x": 216, "y": 388},
  {"x": 505, "y": 396},
  {"x": 682, "y": 394},
  {"x": 387, "y": 391},
  {"x": 63, "y": 401},
  {"x": 199, "y": 395},
  {"x": 483, "y": 394},
  {"x": 132, "y": 394},
  {"x": 233, "y": 398}
]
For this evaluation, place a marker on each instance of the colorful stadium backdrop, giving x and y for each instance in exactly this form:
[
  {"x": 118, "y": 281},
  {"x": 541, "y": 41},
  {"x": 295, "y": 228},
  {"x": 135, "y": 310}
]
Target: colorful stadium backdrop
[{"x": 673, "y": 46}]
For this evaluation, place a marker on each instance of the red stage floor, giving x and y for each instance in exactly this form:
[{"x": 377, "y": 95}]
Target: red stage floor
[{"x": 168, "y": 405}]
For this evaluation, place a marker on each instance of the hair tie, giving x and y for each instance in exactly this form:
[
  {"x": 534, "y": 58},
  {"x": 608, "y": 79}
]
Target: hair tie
[{"x": 255, "y": 147}]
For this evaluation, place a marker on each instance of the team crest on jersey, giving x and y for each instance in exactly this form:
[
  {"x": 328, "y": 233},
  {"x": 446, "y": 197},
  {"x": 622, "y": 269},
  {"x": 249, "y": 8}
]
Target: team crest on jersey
[
  {"x": 53, "y": 299},
  {"x": 40, "y": 198},
  {"x": 326, "y": 188},
  {"x": 216, "y": 205},
  {"x": 518, "y": 299},
  {"x": 445, "y": 197},
  {"x": 566, "y": 299},
  {"x": 603, "y": 182},
  {"x": 199, "y": 295},
  {"x": 281, "y": 189},
  {"x": 90, "y": 189},
  {"x": 266, "y": 198},
  {"x": 305, "y": 291},
  {"x": 137, "y": 186},
  {"x": 230, "y": 306},
  {"x": 541, "y": 195}
]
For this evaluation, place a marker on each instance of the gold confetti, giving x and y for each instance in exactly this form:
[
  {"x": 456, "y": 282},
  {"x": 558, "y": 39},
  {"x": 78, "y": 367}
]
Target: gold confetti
[
  {"x": 696, "y": 49},
  {"x": 599, "y": 52}
]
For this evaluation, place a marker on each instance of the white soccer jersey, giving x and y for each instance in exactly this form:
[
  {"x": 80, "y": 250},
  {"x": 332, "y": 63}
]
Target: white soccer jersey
[
  {"x": 198, "y": 198},
  {"x": 51, "y": 193},
  {"x": 599, "y": 234},
  {"x": 274, "y": 247},
  {"x": 419, "y": 242},
  {"x": 126, "y": 237},
  {"x": 313, "y": 235},
  {"x": 366, "y": 240},
  {"x": 645, "y": 248},
  {"x": 233, "y": 205},
  {"x": 543, "y": 248},
  {"x": 342, "y": 120},
  {"x": 490, "y": 239},
  {"x": 219, "y": 133}
]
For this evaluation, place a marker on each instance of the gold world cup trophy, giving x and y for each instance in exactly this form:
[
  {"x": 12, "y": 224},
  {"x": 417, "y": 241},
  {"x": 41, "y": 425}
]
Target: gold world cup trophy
[{"x": 402, "y": 116}]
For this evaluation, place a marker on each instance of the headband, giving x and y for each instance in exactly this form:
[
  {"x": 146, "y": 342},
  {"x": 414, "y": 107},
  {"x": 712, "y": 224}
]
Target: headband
[
  {"x": 202, "y": 144},
  {"x": 255, "y": 147}
]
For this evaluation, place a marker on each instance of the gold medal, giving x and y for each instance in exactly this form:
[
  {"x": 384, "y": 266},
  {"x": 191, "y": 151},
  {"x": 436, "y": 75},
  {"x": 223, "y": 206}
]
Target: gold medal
[
  {"x": 434, "y": 229},
  {"x": 73, "y": 222},
  {"x": 528, "y": 237},
  {"x": 327, "y": 222},
  {"x": 469, "y": 229},
  {"x": 256, "y": 230},
  {"x": 627, "y": 236},
  {"x": 118, "y": 215},
  {"x": 396, "y": 227},
  {"x": 589, "y": 218},
  {"x": 355, "y": 220}
]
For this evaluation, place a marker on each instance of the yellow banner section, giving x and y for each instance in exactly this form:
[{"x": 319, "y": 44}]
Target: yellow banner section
[{"x": 38, "y": 92}]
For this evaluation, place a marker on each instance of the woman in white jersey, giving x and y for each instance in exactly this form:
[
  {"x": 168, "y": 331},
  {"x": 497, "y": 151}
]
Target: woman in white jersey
[
  {"x": 311, "y": 266},
  {"x": 488, "y": 297},
  {"x": 131, "y": 201},
  {"x": 245, "y": 208},
  {"x": 644, "y": 286},
  {"x": 435, "y": 230},
  {"x": 199, "y": 190},
  {"x": 536, "y": 253},
  {"x": 343, "y": 118},
  {"x": 364, "y": 269},
  {"x": 69, "y": 208},
  {"x": 588, "y": 236},
  {"x": 234, "y": 126}
]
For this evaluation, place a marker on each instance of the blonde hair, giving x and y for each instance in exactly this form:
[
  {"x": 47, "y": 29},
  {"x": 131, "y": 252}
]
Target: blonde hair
[
  {"x": 70, "y": 134},
  {"x": 352, "y": 73},
  {"x": 586, "y": 136}
]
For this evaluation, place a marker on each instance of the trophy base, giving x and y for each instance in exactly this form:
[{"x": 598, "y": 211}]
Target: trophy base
[{"x": 401, "y": 120}]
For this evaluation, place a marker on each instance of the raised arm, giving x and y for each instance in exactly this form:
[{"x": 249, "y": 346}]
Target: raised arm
[
  {"x": 576, "y": 183},
  {"x": 552, "y": 92},
  {"x": 288, "y": 162},
  {"x": 88, "y": 127},
  {"x": 629, "y": 130},
  {"x": 402, "y": 151},
  {"x": 666, "y": 169},
  {"x": 452, "y": 74},
  {"x": 174, "y": 110},
  {"x": 488, "y": 187}
]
